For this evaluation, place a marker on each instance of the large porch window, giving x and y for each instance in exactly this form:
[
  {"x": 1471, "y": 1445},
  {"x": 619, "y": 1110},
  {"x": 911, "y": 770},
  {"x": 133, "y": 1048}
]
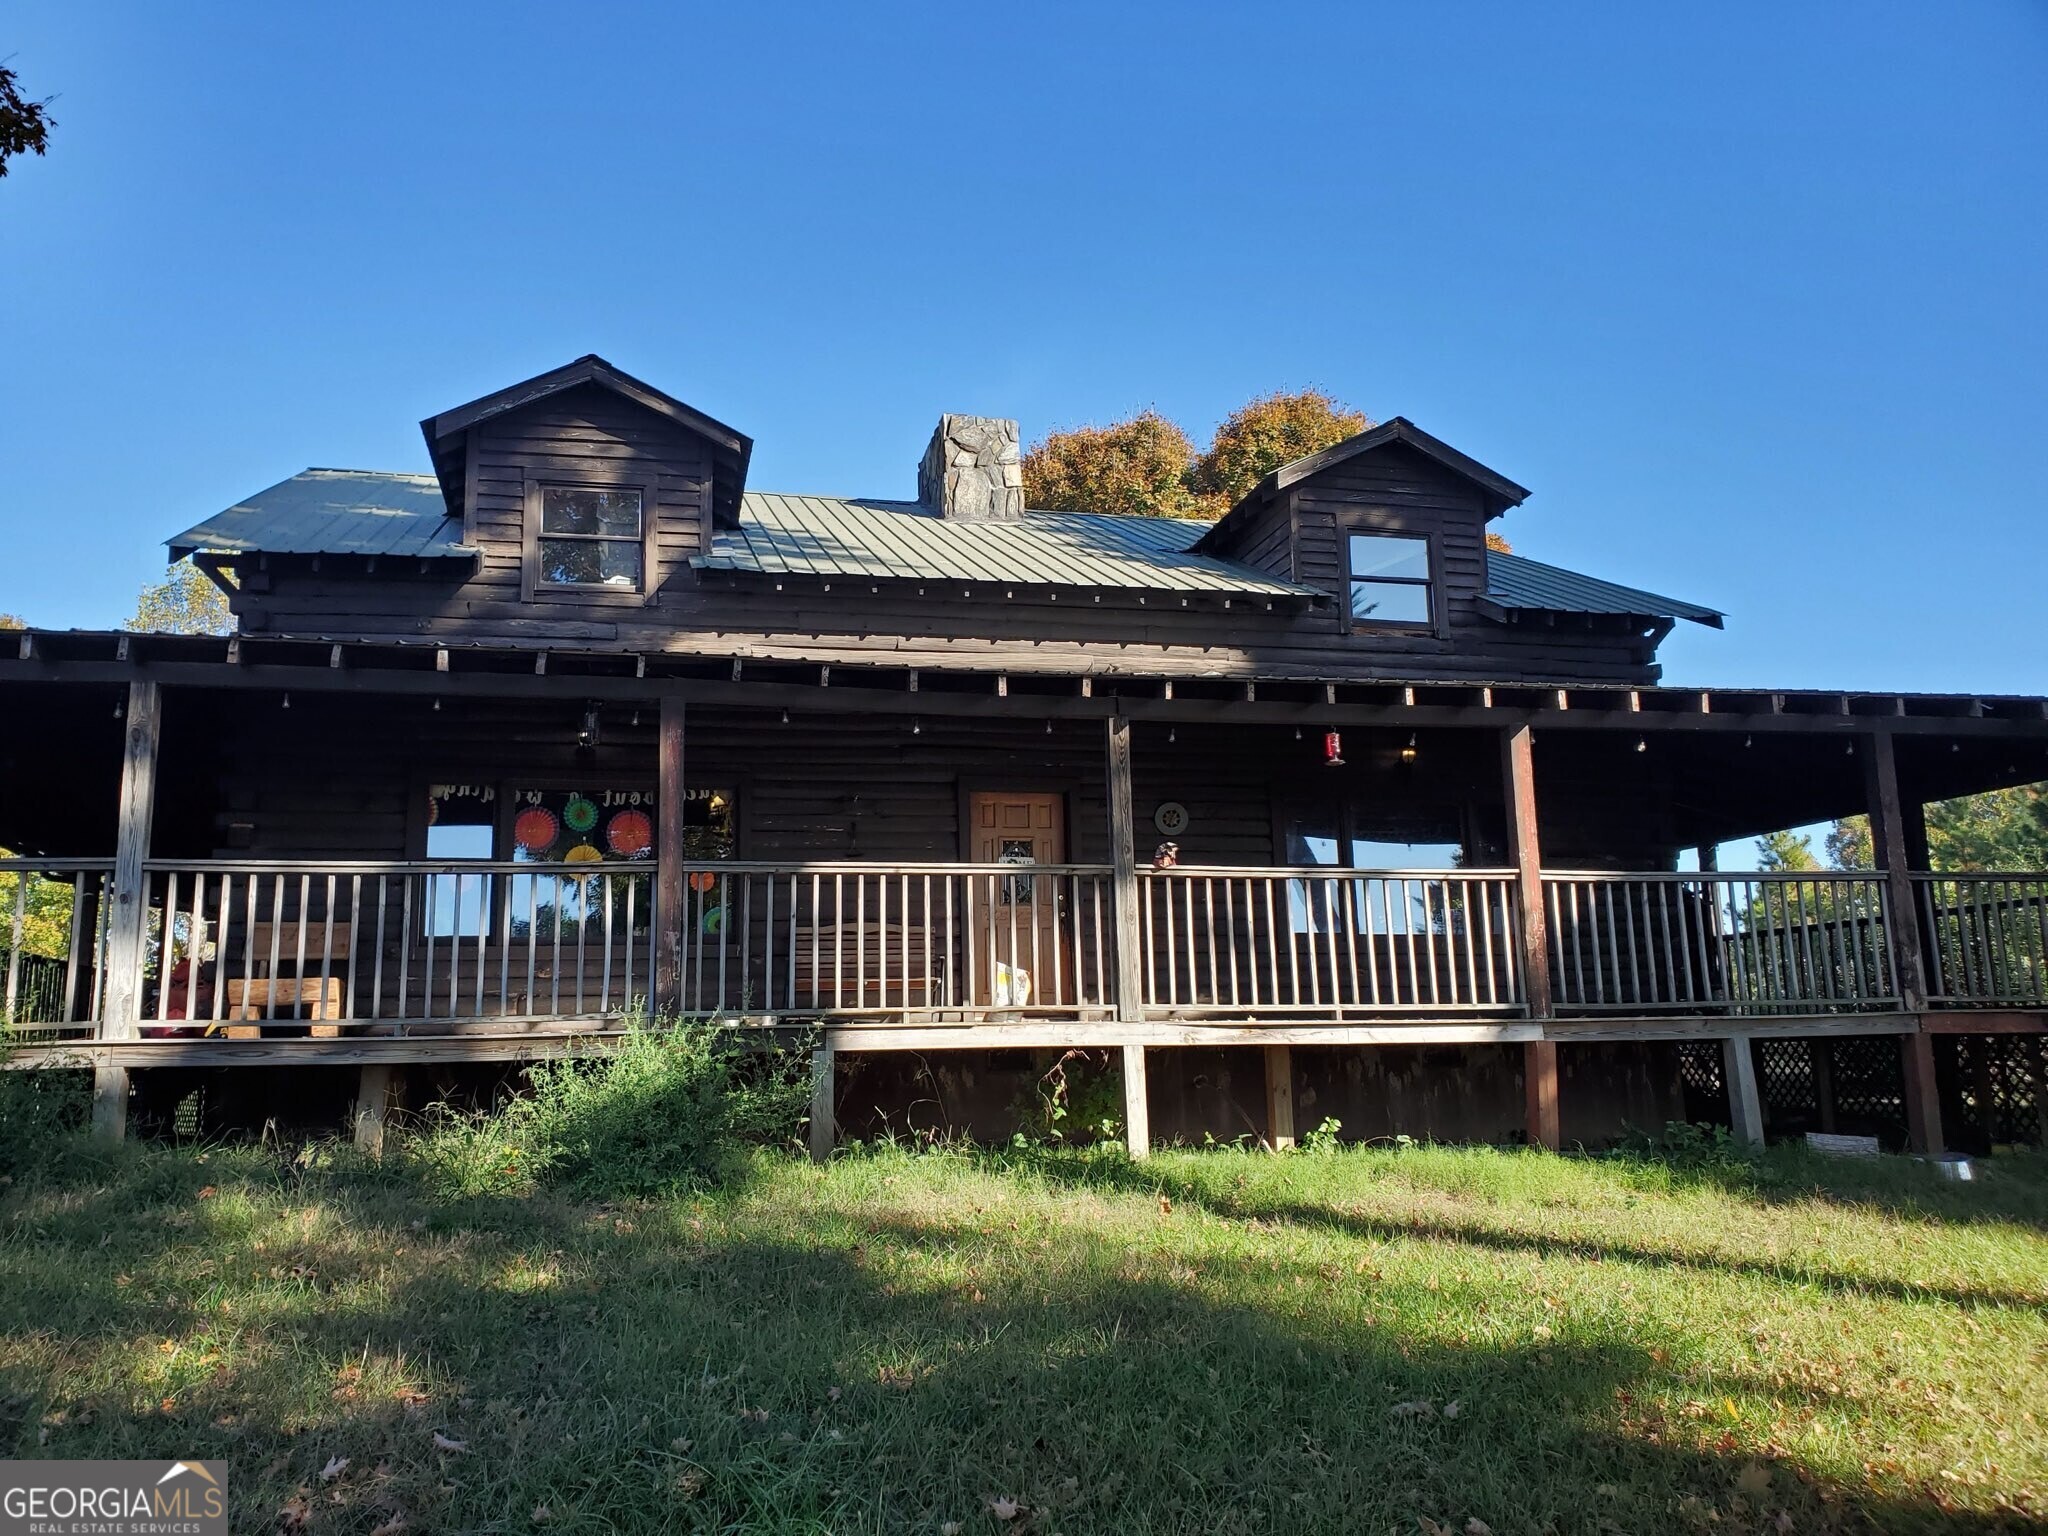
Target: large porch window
[{"x": 1356, "y": 835}]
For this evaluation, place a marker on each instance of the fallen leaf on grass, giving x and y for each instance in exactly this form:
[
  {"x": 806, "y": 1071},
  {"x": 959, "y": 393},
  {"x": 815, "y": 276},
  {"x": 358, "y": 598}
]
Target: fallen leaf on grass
[
  {"x": 1421, "y": 1408},
  {"x": 1165, "y": 1206},
  {"x": 293, "y": 1514},
  {"x": 1006, "y": 1509},
  {"x": 1452, "y": 1410},
  {"x": 950, "y": 1528},
  {"x": 1475, "y": 1526},
  {"x": 336, "y": 1465},
  {"x": 444, "y": 1443},
  {"x": 1754, "y": 1480},
  {"x": 542, "y": 1514},
  {"x": 392, "y": 1526}
]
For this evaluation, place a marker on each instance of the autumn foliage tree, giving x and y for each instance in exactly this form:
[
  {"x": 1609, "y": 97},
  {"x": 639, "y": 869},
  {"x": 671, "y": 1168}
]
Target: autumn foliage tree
[
  {"x": 1261, "y": 435},
  {"x": 186, "y": 602},
  {"x": 1147, "y": 466},
  {"x": 1134, "y": 468}
]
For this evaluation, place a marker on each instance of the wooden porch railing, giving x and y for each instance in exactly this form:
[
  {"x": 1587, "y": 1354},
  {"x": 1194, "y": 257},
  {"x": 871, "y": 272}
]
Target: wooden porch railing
[
  {"x": 765, "y": 939},
  {"x": 242, "y": 946},
  {"x": 1748, "y": 943},
  {"x": 53, "y": 945},
  {"x": 233, "y": 945},
  {"x": 1290, "y": 941},
  {"x": 1986, "y": 937}
]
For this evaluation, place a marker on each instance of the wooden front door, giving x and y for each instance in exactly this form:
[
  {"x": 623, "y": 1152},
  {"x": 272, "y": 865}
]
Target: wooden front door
[{"x": 1015, "y": 919}]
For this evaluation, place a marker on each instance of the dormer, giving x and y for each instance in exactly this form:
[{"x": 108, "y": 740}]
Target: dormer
[
  {"x": 1391, "y": 523},
  {"x": 586, "y": 484}
]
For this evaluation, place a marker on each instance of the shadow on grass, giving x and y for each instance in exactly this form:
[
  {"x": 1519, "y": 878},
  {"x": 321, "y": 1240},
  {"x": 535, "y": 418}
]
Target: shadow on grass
[
  {"x": 1268, "y": 1205},
  {"x": 767, "y": 1365}
]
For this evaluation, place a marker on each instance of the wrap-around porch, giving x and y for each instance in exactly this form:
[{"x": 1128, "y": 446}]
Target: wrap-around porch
[{"x": 280, "y": 953}]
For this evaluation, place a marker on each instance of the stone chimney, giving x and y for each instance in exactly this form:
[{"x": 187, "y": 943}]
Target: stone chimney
[{"x": 973, "y": 471}]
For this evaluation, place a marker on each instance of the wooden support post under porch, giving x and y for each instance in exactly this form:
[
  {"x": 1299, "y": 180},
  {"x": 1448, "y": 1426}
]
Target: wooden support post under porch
[
  {"x": 1123, "y": 860},
  {"x": 378, "y": 1092},
  {"x": 1745, "y": 1104},
  {"x": 824, "y": 1100},
  {"x": 128, "y": 922},
  {"x": 1893, "y": 845},
  {"x": 1280, "y": 1097},
  {"x": 1539, "y": 1057}
]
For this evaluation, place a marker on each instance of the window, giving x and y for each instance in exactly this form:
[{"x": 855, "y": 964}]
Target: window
[
  {"x": 461, "y": 823},
  {"x": 1389, "y": 579},
  {"x": 592, "y": 538},
  {"x": 1423, "y": 839}
]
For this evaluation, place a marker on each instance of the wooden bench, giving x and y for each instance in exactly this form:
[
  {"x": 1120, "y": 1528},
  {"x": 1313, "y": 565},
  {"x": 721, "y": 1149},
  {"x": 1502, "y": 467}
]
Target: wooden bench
[
  {"x": 291, "y": 999},
  {"x": 868, "y": 967},
  {"x": 288, "y": 1000}
]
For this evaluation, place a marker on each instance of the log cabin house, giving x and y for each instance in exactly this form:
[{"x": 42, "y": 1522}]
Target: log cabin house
[{"x": 1323, "y": 810}]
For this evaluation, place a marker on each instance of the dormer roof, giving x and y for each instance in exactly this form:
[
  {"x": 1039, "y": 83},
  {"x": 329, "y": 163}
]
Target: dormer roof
[{"x": 447, "y": 433}]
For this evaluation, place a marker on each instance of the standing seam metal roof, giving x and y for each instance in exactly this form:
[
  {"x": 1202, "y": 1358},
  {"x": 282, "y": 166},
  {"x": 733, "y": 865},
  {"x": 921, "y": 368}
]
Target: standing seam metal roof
[
  {"x": 333, "y": 512},
  {"x": 904, "y": 540},
  {"x": 1514, "y": 581}
]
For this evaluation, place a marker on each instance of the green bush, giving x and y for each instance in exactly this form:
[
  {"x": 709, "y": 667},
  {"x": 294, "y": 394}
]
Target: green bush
[
  {"x": 669, "y": 1107},
  {"x": 41, "y": 1112}
]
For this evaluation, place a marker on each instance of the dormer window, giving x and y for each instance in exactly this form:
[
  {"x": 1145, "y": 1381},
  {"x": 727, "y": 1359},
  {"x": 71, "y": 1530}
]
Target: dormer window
[
  {"x": 592, "y": 537},
  {"x": 1389, "y": 581}
]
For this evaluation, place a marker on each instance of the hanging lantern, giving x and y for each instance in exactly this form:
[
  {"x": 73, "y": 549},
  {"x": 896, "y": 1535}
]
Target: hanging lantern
[{"x": 1333, "y": 750}]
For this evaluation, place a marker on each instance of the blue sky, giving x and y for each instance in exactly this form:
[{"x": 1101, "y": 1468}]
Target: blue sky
[{"x": 1754, "y": 297}]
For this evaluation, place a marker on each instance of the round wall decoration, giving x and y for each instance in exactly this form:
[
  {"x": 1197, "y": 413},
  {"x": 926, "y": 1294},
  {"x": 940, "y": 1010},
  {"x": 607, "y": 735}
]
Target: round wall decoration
[
  {"x": 536, "y": 829},
  {"x": 630, "y": 834},
  {"x": 580, "y": 813},
  {"x": 1171, "y": 818},
  {"x": 583, "y": 853}
]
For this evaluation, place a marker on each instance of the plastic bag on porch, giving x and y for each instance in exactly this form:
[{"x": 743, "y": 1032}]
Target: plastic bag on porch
[{"x": 1012, "y": 986}]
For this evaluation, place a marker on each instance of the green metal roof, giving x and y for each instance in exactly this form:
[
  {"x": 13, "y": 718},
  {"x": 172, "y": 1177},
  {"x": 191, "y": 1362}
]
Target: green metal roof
[
  {"x": 1514, "y": 582},
  {"x": 783, "y": 535},
  {"x": 333, "y": 512},
  {"x": 368, "y": 512}
]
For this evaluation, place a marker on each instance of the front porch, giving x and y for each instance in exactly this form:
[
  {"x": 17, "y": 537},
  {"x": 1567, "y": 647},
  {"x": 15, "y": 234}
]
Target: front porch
[{"x": 898, "y": 868}]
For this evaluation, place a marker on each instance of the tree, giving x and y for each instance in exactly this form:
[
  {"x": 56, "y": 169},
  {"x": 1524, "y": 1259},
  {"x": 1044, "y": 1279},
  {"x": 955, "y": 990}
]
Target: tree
[
  {"x": 1264, "y": 433},
  {"x": 186, "y": 602},
  {"x": 2000, "y": 829},
  {"x": 1135, "y": 468},
  {"x": 1790, "y": 852},
  {"x": 9, "y": 621},
  {"x": 24, "y": 125}
]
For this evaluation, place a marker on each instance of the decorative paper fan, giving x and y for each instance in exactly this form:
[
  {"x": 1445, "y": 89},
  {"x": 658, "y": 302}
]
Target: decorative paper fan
[
  {"x": 536, "y": 829},
  {"x": 631, "y": 834},
  {"x": 581, "y": 814},
  {"x": 703, "y": 880},
  {"x": 583, "y": 853},
  {"x": 714, "y": 921}
]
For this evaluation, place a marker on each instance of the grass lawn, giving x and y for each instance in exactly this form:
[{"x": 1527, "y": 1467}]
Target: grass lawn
[{"x": 1416, "y": 1340}]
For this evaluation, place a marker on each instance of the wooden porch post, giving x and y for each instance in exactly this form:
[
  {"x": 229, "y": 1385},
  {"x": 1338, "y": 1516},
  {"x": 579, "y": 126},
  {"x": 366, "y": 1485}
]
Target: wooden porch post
[
  {"x": 668, "y": 854},
  {"x": 1280, "y": 1097},
  {"x": 128, "y": 922},
  {"x": 1745, "y": 1104},
  {"x": 377, "y": 1091},
  {"x": 1123, "y": 859},
  {"x": 824, "y": 1103},
  {"x": 1823, "y": 1050},
  {"x": 1539, "y": 1057},
  {"x": 1892, "y": 849}
]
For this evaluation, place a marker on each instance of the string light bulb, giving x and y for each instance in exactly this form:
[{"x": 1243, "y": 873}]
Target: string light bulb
[{"x": 1408, "y": 752}]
